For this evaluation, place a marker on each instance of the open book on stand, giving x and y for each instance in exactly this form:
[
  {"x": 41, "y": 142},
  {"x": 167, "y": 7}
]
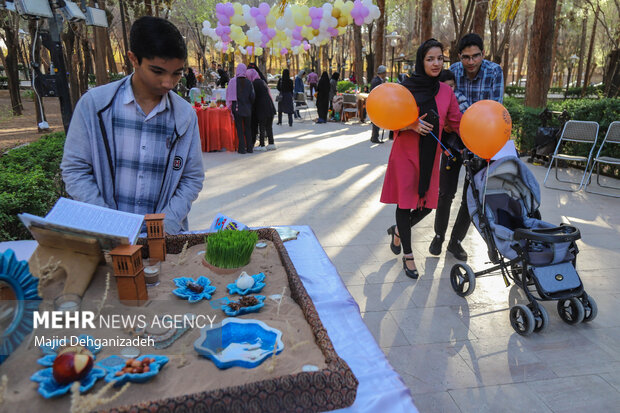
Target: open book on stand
[{"x": 110, "y": 227}]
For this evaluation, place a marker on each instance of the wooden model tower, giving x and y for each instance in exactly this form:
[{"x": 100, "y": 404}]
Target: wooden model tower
[
  {"x": 129, "y": 274},
  {"x": 156, "y": 236}
]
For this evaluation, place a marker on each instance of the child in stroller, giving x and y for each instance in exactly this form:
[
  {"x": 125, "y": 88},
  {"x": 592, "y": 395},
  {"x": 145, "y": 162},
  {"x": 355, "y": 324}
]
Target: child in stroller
[{"x": 538, "y": 256}]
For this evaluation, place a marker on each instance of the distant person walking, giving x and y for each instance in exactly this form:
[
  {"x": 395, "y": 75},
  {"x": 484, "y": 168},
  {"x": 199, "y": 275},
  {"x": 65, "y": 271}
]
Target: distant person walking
[
  {"x": 285, "y": 102},
  {"x": 333, "y": 88},
  {"x": 299, "y": 89},
  {"x": 239, "y": 98},
  {"x": 322, "y": 98},
  {"x": 376, "y": 81},
  {"x": 263, "y": 110},
  {"x": 313, "y": 81},
  {"x": 190, "y": 79}
]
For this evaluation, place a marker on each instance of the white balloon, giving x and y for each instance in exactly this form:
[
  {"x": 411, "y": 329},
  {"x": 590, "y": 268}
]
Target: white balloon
[
  {"x": 368, "y": 19},
  {"x": 375, "y": 12},
  {"x": 206, "y": 24},
  {"x": 280, "y": 24},
  {"x": 324, "y": 25},
  {"x": 327, "y": 8}
]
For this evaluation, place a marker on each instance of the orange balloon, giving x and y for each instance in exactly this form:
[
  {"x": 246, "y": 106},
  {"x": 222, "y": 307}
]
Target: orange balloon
[
  {"x": 485, "y": 128},
  {"x": 391, "y": 106}
]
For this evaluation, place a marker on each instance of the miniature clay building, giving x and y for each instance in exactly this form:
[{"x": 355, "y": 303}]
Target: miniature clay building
[
  {"x": 129, "y": 274},
  {"x": 156, "y": 236}
]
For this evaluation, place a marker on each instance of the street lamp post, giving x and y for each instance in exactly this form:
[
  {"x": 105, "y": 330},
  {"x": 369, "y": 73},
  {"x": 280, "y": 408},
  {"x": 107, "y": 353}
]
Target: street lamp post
[{"x": 393, "y": 38}]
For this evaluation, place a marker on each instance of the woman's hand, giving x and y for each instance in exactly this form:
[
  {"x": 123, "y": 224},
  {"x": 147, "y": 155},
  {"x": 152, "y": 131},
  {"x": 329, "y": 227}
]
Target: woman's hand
[{"x": 420, "y": 126}]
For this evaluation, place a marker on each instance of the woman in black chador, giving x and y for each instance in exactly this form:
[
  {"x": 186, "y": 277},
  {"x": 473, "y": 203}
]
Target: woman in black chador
[{"x": 322, "y": 98}]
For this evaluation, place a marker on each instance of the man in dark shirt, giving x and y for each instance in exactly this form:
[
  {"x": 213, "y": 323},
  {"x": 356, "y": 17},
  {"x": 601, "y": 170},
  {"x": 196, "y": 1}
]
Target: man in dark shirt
[{"x": 376, "y": 81}]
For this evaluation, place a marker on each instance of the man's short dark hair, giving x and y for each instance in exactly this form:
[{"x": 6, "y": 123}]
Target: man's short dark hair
[
  {"x": 446, "y": 74},
  {"x": 152, "y": 37},
  {"x": 471, "y": 39}
]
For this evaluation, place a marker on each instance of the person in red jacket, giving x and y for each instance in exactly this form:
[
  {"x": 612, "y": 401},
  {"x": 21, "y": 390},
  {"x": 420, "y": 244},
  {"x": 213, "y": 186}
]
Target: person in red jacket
[{"x": 412, "y": 176}]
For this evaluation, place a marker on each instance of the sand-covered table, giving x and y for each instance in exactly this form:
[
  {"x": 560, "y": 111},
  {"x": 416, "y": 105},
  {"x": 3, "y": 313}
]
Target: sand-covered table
[{"x": 189, "y": 381}]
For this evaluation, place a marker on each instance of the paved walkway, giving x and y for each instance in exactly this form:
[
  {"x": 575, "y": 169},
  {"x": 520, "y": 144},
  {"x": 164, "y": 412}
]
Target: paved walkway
[{"x": 455, "y": 354}]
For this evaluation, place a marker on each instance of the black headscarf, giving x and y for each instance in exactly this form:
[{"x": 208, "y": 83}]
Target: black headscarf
[
  {"x": 336, "y": 76},
  {"x": 324, "y": 82},
  {"x": 255, "y": 67},
  {"x": 424, "y": 89}
]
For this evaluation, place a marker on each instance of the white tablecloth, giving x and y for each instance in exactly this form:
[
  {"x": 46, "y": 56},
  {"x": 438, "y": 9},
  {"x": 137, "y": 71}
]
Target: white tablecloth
[{"x": 380, "y": 388}]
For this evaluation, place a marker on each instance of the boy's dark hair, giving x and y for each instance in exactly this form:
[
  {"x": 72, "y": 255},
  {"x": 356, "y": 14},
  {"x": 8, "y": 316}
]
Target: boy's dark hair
[
  {"x": 446, "y": 74},
  {"x": 152, "y": 37},
  {"x": 471, "y": 39}
]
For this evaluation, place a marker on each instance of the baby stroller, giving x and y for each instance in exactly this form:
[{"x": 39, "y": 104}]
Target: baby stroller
[{"x": 537, "y": 256}]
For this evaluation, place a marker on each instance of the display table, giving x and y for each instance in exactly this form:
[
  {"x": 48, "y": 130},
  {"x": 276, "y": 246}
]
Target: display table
[
  {"x": 380, "y": 387},
  {"x": 361, "y": 106},
  {"x": 217, "y": 129}
]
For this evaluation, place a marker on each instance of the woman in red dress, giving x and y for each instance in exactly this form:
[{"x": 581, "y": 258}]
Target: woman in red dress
[{"x": 412, "y": 176}]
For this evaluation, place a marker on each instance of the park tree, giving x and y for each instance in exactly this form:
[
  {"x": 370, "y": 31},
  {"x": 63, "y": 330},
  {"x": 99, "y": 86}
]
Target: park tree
[
  {"x": 539, "y": 63},
  {"x": 9, "y": 23}
]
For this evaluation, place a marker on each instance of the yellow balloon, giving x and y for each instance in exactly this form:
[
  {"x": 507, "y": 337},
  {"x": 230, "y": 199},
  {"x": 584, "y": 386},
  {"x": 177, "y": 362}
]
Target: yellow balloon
[
  {"x": 335, "y": 12},
  {"x": 315, "y": 32},
  {"x": 342, "y": 21},
  {"x": 271, "y": 20}
]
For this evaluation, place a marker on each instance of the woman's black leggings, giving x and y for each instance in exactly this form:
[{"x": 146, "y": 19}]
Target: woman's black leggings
[{"x": 405, "y": 220}]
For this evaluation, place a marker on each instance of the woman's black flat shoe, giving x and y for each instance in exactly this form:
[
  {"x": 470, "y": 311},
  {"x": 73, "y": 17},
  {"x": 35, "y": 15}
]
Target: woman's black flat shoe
[
  {"x": 392, "y": 231},
  {"x": 410, "y": 273}
]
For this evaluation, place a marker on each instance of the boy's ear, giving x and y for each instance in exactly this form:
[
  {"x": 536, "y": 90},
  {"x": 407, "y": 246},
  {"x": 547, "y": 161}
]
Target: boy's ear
[{"x": 133, "y": 58}]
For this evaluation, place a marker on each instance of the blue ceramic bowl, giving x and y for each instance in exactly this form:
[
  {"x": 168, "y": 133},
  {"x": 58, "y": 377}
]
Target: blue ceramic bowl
[
  {"x": 245, "y": 310},
  {"x": 49, "y": 387},
  {"x": 186, "y": 293},
  {"x": 114, "y": 364},
  {"x": 258, "y": 285},
  {"x": 239, "y": 342}
]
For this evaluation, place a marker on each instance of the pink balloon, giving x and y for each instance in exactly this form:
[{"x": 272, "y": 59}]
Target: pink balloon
[
  {"x": 306, "y": 47},
  {"x": 359, "y": 20},
  {"x": 260, "y": 20},
  {"x": 316, "y": 23},
  {"x": 295, "y": 42},
  {"x": 264, "y": 9},
  {"x": 249, "y": 49},
  {"x": 315, "y": 13},
  {"x": 219, "y": 8},
  {"x": 254, "y": 12},
  {"x": 271, "y": 33},
  {"x": 283, "y": 51},
  {"x": 229, "y": 9},
  {"x": 332, "y": 31},
  {"x": 226, "y": 38}
]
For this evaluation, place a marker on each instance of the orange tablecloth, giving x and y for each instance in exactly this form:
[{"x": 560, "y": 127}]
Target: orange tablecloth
[{"x": 217, "y": 129}]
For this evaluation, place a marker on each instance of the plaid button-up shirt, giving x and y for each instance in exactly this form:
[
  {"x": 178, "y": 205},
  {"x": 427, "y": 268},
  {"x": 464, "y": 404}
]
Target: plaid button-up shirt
[
  {"x": 141, "y": 146},
  {"x": 488, "y": 83}
]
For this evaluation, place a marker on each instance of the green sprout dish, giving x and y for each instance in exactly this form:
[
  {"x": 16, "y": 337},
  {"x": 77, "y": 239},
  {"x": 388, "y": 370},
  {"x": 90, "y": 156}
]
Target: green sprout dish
[{"x": 230, "y": 248}]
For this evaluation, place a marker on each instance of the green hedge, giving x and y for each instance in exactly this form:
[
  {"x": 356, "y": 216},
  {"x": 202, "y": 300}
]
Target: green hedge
[
  {"x": 571, "y": 93},
  {"x": 30, "y": 181},
  {"x": 526, "y": 121},
  {"x": 344, "y": 85}
]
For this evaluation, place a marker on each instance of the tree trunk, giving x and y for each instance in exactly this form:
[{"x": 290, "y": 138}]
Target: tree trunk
[
  {"x": 588, "y": 73},
  {"x": 480, "y": 17},
  {"x": 611, "y": 77},
  {"x": 582, "y": 50},
  {"x": 359, "y": 59},
  {"x": 461, "y": 26},
  {"x": 127, "y": 66},
  {"x": 539, "y": 63},
  {"x": 524, "y": 45},
  {"x": 10, "y": 25},
  {"x": 556, "y": 30},
  {"x": 426, "y": 17},
  {"x": 379, "y": 38},
  {"x": 36, "y": 58},
  {"x": 88, "y": 63}
]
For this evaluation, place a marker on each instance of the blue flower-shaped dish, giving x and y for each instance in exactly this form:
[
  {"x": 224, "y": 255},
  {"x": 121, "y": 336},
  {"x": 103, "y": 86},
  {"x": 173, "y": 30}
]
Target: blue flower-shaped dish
[
  {"x": 192, "y": 297},
  {"x": 115, "y": 363},
  {"x": 49, "y": 387},
  {"x": 258, "y": 285},
  {"x": 50, "y": 351},
  {"x": 239, "y": 342},
  {"x": 245, "y": 310}
]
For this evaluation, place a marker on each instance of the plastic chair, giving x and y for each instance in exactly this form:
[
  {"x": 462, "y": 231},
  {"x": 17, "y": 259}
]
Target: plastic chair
[
  {"x": 349, "y": 105},
  {"x": 611, "y": 137},
  {"x": 574, "y": 131},
  {"x": 300, "y": 103}
]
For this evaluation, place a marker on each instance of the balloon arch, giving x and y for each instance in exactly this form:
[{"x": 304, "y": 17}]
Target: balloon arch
[{"x": 291, "y": 28}]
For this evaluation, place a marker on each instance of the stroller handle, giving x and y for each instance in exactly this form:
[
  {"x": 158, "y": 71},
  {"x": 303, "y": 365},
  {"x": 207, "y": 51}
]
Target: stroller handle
[{"x": 564, "y": 233}]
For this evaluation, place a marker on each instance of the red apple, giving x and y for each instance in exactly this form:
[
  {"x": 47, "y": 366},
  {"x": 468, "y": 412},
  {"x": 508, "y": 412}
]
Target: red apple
[{"x": 72, "y": 364}]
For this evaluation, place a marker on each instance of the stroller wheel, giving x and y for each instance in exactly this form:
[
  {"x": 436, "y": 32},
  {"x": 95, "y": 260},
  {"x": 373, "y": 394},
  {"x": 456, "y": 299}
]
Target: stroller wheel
[
  {"x": 463, "y": 279},
  {"x": 522, "y": 319},
  {"x": 541, "y": 317},
  {"x": 590, "y": 309},
  {"x": 571, "y": 310}
]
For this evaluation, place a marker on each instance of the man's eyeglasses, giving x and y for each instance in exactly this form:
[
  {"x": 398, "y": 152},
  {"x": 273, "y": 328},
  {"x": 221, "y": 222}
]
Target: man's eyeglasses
[{"x": 472, "y": 57}]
